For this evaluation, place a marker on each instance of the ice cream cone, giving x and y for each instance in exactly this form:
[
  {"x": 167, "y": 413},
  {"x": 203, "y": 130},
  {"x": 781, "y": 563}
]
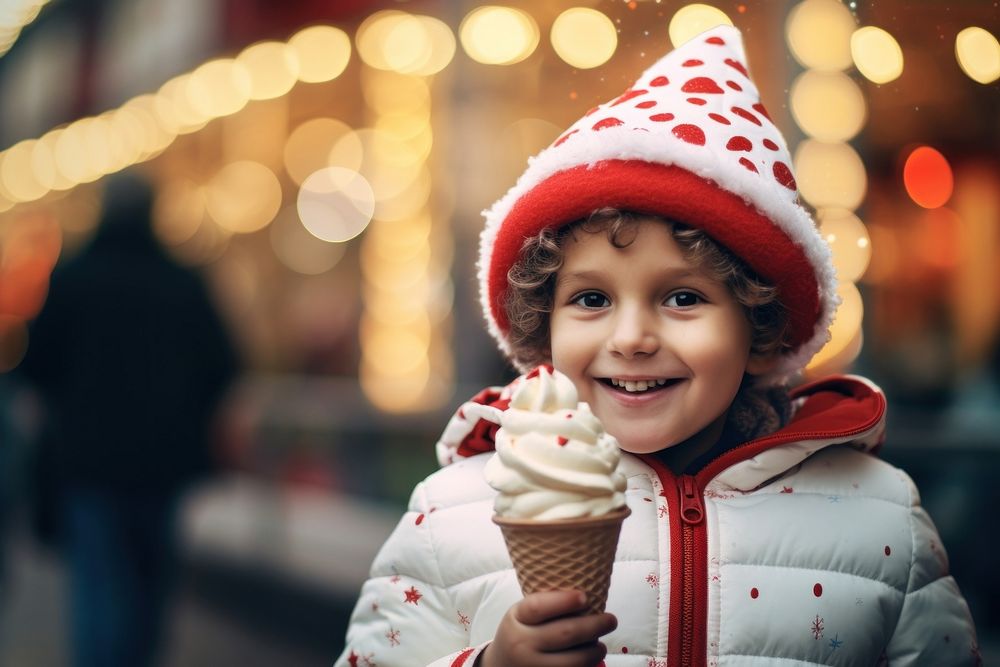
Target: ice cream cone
[{"x": 565, "y": 553}]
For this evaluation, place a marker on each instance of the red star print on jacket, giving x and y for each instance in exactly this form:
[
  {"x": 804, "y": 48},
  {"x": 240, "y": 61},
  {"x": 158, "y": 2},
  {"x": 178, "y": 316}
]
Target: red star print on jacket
[{"x": 412, "y": 595}]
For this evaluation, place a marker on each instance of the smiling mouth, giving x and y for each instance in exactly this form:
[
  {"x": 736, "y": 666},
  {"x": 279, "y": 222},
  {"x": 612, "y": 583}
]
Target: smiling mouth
[{"x": 639, "y": 386}]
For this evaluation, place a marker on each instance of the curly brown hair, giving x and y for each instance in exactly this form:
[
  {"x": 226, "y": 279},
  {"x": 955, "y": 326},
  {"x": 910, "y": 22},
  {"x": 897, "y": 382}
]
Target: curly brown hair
[{"x": 529, "y": 300}]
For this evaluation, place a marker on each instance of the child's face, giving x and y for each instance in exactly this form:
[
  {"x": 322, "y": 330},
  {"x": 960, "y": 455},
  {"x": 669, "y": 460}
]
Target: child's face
[{"x": 644, "y": 314}]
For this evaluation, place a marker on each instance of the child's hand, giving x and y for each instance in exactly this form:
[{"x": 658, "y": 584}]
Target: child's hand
[{"x": 543, "y": 630}]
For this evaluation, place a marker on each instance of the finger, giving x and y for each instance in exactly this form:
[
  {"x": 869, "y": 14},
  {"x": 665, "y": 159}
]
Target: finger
[
  {"x": 573, "y": 631},
  {"x": 538, "y": 608},
  {"x": 589, "y": 655}
]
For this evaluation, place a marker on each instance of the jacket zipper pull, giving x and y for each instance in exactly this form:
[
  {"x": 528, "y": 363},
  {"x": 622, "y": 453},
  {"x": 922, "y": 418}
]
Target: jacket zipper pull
[{"x": 692, "y": 508}]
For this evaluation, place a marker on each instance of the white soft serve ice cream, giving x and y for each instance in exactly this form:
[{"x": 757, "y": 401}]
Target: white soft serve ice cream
[{"x": 553, "y": 458}]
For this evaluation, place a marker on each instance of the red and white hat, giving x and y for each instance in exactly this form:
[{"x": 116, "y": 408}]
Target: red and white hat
[{"x": 690, "y": 141}]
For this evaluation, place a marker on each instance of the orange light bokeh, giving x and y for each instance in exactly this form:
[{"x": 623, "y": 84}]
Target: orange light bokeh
[{"x": 928, "y": 178}]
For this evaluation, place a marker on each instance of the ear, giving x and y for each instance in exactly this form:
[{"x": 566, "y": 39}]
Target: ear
[{"x": 762, "y": 364}]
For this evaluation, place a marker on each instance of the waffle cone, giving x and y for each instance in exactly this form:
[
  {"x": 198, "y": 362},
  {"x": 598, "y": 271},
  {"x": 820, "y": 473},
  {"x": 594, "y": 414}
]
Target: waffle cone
[{"x": 565, "y": 553}]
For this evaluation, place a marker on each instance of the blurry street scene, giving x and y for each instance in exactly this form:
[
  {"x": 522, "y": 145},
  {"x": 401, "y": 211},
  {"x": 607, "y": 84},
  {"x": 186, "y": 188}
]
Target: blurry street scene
[{"x": 238, "y": 295}]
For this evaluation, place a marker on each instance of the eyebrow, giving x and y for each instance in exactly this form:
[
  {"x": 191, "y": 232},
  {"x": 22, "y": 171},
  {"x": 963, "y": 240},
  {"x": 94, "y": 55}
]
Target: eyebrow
[{"x": 685, "y": 273}]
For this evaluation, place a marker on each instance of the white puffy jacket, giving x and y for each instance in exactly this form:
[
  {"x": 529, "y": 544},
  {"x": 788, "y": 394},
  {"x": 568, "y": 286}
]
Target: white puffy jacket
[{"x": 798, "y": 548}]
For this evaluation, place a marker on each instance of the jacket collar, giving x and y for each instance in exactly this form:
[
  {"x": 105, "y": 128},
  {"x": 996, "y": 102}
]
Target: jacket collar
[{"x": 832, "y": 411}]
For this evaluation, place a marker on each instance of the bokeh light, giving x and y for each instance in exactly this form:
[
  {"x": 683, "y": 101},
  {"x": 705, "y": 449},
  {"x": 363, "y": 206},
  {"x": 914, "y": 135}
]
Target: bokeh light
[
  {"x": 849, "y": 242},
  {"x": 219, "y": 88},
  {"x": 691, "y": 20},
  {"x": 273, "y": 68},
  {"x": 845, "y": 332},
  {"x": 978, "y": 54},
  {"x": 405, "y": 43},
  {"x": 928, "y": 178},
  {"x": 335, "y": 204},
  {"x": 322, "y": 52},
  {"x": 19, "y": 179},
  {"x": 583, "y": 37},
  {"x": 243, "y": 196},
  {"x": 498, "y": 35},
  {"x": 938, "y": 240},
  {"x": 828, "y": 106},
  {"x": 299, "y": 250},
  {"x": 819, "y": 34},
  {"x": 313, "y": 144},
  {"x": 876, "y": 54},
  {"x": 830, "y": 175}
]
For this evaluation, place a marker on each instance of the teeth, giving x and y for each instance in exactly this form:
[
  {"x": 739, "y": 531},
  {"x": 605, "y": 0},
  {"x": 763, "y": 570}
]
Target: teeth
[{"x": 637, "y": 385}]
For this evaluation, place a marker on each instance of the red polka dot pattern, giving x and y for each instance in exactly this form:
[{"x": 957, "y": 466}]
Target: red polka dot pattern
[
  {"x": 887, "y": 550},
  {"x": 739, "y": 143},
  {"x": 566, "y": 136},
  {"x": 690, "y": 133},
  {"x": 737, "y": 65},
  {"x": 702, "y": 84},
  {"x": 606, "y": 123},
  {"x": 718, "y": 98},
  {"x": 818, "y": 590},
  {"x": 746, "y": 115},
  {"x": 783, "y": 175},
  {"x": 754, "y": 593}
]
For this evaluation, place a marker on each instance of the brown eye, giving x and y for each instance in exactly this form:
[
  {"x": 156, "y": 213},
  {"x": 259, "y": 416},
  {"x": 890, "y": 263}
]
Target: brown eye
[
  {"x": 683, "y": 300},
  {"x": 592, "y": 300}
]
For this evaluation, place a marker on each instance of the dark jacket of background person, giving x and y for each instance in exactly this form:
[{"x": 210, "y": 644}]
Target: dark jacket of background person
[{"x": 130, "y": 358}]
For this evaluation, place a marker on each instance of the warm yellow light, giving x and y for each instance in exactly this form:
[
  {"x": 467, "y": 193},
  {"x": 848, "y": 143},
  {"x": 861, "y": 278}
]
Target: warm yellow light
[
  {"x": 174, "y": 108},
  {"x": 155, "y": 136},
  {"x": 978, "y": 54},
  {"x": 310, "y": 145},
  {"x": 299, "y": 250},
  {"x": 876, "y": 54},
  {"x": 401, "y": 42},
  {"x": 19, "y": 178},
  {"x": 692, "y": 20},
  {"x": 322, "y": 51},
  {"x": 396, "y": 393},
  {"x": 219, "y": 88},
  {"x": 849, "y": 242},
  {"x": 830, "y": 175},
  {"x": 584, "y": 37},
  {"x": 828, "y": 106},
  {"x": 498, "y": 35},
  {"x": 126, "y": 138},
  {"x": 395, "y": 351},
  {"x": 273, "y": 68},
  {"x": 43, "y": 163},
  {"x": 71, "y": 154},
  {"x": 819, "y": 34},
  {"x": 386, "y": 93},
  {"x": 335, "y": 204},
  {"x": 845, "y": 332},
  {"x": 243, "y": 196},
  {"x": 408, "y": 202},
  {"x": 442, "y": 46}
]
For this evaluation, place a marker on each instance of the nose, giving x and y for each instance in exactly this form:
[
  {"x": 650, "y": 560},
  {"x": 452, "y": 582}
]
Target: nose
[{"x": 633, "y": 333}]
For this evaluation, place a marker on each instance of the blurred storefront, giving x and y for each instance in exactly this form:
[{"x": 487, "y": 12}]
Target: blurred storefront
[{"x": 324, "y": 164}]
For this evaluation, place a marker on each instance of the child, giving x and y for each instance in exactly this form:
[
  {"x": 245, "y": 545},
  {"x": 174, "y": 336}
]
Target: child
[{"x": 656, "y": 255}]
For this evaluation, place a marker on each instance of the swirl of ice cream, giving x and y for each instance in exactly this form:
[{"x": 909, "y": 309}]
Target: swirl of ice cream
[{"x": 553, "y": 458}]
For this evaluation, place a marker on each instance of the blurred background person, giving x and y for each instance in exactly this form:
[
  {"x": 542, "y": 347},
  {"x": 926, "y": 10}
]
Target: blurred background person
[{"x": 131, "y": 361}]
